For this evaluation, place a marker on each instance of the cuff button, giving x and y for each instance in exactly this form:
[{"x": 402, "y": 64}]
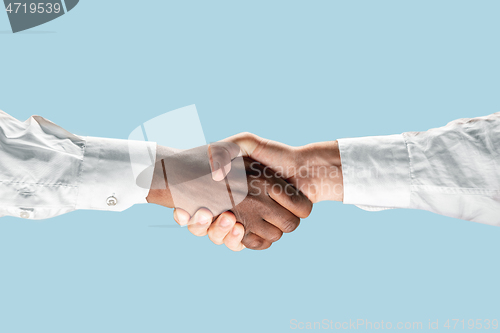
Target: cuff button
[{"x": 111, "y": 201}]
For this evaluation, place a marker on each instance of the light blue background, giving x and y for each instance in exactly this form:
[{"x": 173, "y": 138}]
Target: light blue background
[{"x": 293, "y": 71}]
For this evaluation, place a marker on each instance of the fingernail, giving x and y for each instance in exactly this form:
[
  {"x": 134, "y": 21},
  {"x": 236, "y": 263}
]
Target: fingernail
[
  {"x": 225, "y": 222},
  {"x": 182, "y": 222},
  {"x": 217, "y": 174},
  {"x": 236, "y": 232},
  {"x": 201, "y": 219}
]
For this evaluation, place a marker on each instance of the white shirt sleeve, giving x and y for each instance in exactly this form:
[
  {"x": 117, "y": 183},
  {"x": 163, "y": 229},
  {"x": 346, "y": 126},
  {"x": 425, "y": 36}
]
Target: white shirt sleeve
[
  {"x": 46, "y": 171},
  {"x": 453, "y": 170}
]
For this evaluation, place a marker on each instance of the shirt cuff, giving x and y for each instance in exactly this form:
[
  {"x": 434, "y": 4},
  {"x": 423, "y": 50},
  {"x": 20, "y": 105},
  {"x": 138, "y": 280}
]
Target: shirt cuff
[
  {"x": 109, "y": 172},
  {"x": 376, "y": 172}
]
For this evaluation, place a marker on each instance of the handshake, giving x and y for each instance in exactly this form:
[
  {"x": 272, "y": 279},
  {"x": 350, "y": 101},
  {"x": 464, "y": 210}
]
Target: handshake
[{"x": 245, "y": 191}]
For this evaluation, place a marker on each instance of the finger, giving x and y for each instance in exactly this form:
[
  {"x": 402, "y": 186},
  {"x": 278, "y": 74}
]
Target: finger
[
  {"x": 221, "y": 227},
  {"x": 181, "y": 217},
  {"x": 233, "y": 239},
  {"x": 263, "y": 150},
  {"x": 221, "y": 154},
  {"x": 200, "y": 222},
  {"x": 247, "y": 142},
  {"x": 289, "y": 197},
  {"x": 266, "y": 230},
  {"x": 254, "y": 242},
  {"x": 281, "y": 218}
]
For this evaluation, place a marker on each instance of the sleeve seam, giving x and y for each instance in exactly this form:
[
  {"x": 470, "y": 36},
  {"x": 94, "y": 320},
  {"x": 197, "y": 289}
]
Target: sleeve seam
[
  {"x": 410, "y": 168},
  {"x": 456, "y": 190},
  {"x": 36, "y": 184},
  {"x": 80, "y": 173}
]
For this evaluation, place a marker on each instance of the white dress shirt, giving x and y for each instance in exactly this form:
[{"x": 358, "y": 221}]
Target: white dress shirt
[
  {"x": 453, "y": 170},
  {"x": 46, "y": 171}
]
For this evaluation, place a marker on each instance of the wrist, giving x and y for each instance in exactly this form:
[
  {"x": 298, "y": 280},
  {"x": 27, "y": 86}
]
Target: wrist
[
  {"x": 161, "y": 197},
  {"x": 159, "y": 192},
  {"x": 324, "y": 171},
  {"x": 327, "y": 152}
]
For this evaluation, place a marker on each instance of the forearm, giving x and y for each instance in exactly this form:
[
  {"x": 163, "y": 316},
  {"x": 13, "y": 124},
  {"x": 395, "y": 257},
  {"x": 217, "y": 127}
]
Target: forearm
[
  {"x": 452, "y": 170},
  {"x": 48, "y": 171}
]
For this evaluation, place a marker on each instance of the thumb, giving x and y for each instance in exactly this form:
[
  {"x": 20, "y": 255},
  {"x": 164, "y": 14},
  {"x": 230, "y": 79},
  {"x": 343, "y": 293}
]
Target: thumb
[{"x": 221, "y": 154}]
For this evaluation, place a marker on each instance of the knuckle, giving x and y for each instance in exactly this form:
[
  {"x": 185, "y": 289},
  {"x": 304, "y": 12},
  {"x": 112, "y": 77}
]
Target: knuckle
[
  {"x": 275, "y": 236},
  {"x": 197, "y": 230},
  {"x": 253, "y": 243},
  {"x": 290, "y": 224},
  {"x": 204, "y": 214},
  {"x": 247, "y": 136},
  {"x": 307, "y": 209},
  {"x": 235, "y": 249},
  {"x": 296, "y": 199},
  {"x": 302, "y": 203},
  {"x": 212, "y": 235},
  {"x": 265, "y": 246},
  {"x": 216, "y": 240}
]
